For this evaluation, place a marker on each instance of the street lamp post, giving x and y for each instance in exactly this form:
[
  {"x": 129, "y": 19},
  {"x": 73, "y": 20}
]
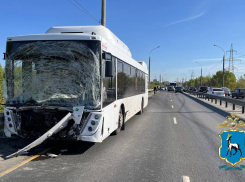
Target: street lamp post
[
  {"x": 191, "y": 76},
  {"x": 201, "y": 72},
  {"x": 163, "y": 76},
  {"x": 150, "y": 66},
  {"x": 223, "y": 76},
  {"x": 160, "y": 75},
  {"x": 183, "y": 79}
]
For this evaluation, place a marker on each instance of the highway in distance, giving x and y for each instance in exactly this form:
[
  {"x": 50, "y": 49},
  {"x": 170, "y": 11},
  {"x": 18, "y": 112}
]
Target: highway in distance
[{"x": 174, "y": 139}]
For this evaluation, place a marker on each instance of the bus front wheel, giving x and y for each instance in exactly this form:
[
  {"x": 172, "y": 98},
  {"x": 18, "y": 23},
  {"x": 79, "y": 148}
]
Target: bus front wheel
[{"x": 120, "y": 122}]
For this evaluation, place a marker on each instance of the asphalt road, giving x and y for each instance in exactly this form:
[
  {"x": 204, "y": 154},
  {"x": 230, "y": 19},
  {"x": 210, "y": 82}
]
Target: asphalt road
[{"x": 154, "y": 147}]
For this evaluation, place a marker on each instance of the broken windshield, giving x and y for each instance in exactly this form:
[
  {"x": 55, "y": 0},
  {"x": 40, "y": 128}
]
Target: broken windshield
[{"x": 60, "y": 73}]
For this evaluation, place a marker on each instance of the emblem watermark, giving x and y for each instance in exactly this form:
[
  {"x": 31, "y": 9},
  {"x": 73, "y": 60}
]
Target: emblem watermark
[{"x": 232, "y": 148}]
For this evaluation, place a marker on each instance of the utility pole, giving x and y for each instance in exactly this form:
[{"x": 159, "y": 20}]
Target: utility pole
[
  {"x": 149, "y": 72},
  {"x": 150, "y": 66},
  {"x": 201, "y": 76},
  {"x": 201, "y": 72},
  {"x": 192, "y": 74},
  {"x": 223, "y": 75},
  {"x": 103, "y": 12}
]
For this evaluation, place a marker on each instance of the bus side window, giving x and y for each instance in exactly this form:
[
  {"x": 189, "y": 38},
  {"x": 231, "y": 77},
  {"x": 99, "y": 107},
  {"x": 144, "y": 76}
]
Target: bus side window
[
  {"x": 120, "y": 79},
  {"x": 109, "y": 83}
]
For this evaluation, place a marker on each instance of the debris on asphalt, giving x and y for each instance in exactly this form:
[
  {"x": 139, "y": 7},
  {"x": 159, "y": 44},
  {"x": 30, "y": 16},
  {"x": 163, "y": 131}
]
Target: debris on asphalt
[{"x": 52, "y": 155}]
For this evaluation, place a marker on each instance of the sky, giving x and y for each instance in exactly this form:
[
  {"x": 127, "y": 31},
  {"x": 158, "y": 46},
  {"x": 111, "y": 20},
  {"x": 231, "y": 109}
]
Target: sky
[{"x": 185, "y": 30}]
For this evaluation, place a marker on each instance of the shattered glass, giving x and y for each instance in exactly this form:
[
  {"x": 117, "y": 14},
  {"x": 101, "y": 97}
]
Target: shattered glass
[{"x": 54, "y": 73}]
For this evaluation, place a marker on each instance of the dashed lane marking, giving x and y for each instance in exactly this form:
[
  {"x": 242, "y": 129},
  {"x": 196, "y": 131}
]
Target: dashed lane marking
[
  {"x": 186, "y": 179},
  {"x": 172, "y": 106},
  {"x": 175, "y": 121}
]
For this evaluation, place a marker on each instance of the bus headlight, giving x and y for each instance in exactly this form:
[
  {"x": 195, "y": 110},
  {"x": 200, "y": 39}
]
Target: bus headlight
[
  {"x": 96, "y": 116},
  {"x": 93, "y": 124}
]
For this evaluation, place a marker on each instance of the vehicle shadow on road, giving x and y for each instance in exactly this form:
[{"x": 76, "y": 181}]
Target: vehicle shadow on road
[
  {"x": 67, "y": 148},
  {"x": 11, "y": 145}
]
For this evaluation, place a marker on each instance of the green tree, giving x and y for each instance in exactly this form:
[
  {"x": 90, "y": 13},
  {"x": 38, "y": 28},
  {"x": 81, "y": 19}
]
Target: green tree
[
  {"x": 154, "y": 84},
  {"x": 241, "y": 82},
  {"x": 230, "y": 80},
  {"x": 2, "y": 98}
]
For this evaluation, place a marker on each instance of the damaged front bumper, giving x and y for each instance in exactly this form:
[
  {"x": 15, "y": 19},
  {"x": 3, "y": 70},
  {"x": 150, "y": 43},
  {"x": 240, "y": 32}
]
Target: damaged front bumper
[{"x": 75, "y": 125}]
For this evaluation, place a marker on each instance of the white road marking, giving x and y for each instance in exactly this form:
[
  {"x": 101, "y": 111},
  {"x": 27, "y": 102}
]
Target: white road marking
[
  {"x": 171, "y": 100},
  {"x": 186, "y": 179},
  {"x": 175, "y": 121},
  {"x": 172, "y": 106}
]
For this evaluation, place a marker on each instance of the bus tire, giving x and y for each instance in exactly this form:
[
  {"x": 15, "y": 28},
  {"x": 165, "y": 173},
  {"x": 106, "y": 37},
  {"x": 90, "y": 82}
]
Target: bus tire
[
  {"x": 141, "y": 108},
  {"x": 120, "y": 122}
]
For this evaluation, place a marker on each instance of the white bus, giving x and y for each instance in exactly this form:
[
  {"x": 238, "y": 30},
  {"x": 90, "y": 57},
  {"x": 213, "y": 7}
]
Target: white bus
[{"x": 75, "y": 83}]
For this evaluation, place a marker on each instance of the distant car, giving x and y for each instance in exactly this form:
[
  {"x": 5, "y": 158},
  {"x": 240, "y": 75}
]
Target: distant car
[
  {"x": 239, "y": 92},
  {"x": 216, "y": 92},
  {"x": 184, "y": 89},
  {"x": 203, "y": 89},
  {"x": 192, "y": 89},
  {"x": 178, "y": 89},
  {"x": 226, "y": 90},
  {"x": 171, "y": 88},
  {"x": 162, "y": 88}
]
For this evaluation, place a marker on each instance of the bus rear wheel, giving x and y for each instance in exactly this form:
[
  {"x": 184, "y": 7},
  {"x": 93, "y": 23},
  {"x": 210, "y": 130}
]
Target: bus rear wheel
[
  {"x": 141, "y": 107},
  {"x": 120, "y": 122}
]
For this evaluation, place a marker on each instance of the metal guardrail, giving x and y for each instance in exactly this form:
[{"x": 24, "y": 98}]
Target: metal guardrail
[{"x": 216, "y": 98}]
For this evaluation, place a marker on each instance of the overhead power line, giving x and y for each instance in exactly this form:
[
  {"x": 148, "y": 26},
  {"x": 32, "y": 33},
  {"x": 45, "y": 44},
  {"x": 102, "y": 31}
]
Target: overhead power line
[
  {"x": 81, "y": 8},
  {"x": 213, "y": 67},
  {"x": 240, "y": 56}
]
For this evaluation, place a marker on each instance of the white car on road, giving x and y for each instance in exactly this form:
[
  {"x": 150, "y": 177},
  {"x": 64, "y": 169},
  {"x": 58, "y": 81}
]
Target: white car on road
[{"x": 216, "y": 92}]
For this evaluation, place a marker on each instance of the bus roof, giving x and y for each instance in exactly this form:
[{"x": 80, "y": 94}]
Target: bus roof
[
  {"x": 93, "y": 30},
  {"x": 82, "y": 33}
]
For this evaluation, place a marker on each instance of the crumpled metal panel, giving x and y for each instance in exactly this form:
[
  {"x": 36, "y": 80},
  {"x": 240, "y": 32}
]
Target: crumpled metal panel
[
  {"x": 62, "y": 73},
  {"x": 59, "y": 126}
]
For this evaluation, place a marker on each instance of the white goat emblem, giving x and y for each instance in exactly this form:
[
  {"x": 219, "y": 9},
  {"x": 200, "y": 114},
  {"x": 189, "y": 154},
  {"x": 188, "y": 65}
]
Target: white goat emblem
[{"x": 232, "y": 146}]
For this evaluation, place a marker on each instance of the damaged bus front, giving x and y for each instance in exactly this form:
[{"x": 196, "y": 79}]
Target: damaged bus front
[{"x": 53, "y": 87}]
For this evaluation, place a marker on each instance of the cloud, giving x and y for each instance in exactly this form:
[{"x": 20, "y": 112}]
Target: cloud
[{"x": 187, "y": 19}]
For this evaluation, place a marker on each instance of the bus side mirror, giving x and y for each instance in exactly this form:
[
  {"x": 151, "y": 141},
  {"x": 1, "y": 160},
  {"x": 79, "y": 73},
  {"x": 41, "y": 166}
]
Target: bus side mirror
[
  {"x": 108, "y": 69},
  {"x": 103, "y": 55}
]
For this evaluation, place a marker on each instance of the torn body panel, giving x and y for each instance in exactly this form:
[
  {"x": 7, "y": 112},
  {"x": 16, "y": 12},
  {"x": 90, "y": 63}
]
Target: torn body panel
[
  {"x": 59, "y": 126},
  {"x": 54, "y": 124}
]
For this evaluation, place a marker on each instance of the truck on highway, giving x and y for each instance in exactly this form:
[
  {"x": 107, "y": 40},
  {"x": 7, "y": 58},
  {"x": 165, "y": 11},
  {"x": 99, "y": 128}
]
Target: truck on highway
[{"x": 174, "y": 84}]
